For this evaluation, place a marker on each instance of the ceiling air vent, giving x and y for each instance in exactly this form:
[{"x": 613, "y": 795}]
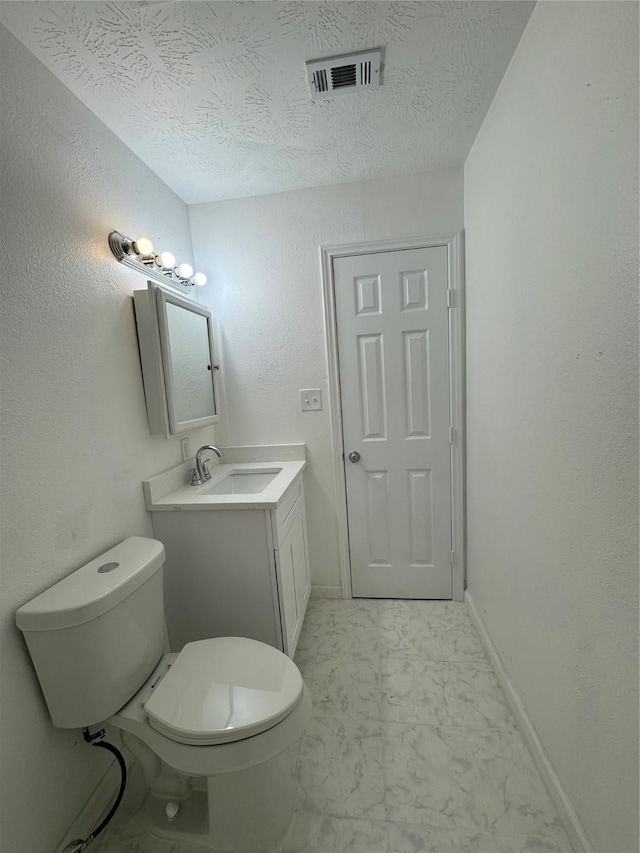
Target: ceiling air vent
[{"x": 344, "y": 73}]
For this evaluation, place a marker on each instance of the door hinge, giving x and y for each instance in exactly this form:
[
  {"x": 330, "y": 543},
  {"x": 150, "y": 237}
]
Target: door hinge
[
  {"x": 449, "y": 297},
  {"x": 452, "y": 558},
  {"x": 450, "y": 435}
]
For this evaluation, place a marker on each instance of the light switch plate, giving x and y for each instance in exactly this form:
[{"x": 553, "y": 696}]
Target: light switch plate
[
  {"x": 310, "y": 400},
  {"x": 185, "y": 446}
]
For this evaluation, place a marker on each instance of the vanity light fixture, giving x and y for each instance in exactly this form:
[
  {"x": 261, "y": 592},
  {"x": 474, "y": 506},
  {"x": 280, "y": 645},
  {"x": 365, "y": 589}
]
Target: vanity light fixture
[{"x": 139, "y": 255}]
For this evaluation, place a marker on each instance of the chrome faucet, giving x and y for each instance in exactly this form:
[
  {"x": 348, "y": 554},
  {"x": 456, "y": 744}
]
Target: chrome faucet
[{"x": 200, "y": 474}]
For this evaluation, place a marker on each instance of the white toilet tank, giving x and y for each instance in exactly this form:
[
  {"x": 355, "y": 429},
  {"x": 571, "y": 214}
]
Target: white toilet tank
[{"x": 95, "y": 636}]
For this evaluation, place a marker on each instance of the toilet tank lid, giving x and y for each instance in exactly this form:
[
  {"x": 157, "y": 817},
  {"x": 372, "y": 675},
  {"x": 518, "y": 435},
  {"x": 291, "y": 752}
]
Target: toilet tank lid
[{"x": 94, "y": 588}]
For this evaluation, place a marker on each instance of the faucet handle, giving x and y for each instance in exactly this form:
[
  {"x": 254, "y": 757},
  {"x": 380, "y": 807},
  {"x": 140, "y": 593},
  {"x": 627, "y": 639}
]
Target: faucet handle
[
  {"x": 195, "y": 477},
  {"x": 206, "y": 475}
]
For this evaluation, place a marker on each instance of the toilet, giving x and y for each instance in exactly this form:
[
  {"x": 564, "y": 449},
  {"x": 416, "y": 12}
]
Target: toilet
[{"x": 214, "y": 727}]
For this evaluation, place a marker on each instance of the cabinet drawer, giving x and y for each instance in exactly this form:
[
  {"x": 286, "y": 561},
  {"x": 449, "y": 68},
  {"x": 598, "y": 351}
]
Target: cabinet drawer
[{"x": 286, "y": 511}]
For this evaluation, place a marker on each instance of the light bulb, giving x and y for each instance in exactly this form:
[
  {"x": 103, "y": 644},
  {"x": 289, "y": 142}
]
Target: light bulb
[
  {"x": 200, "y": 278},
  {"x": 166, "y": 260},
  {"x": 185, "y": 270},
  {"x": 142, "y": 246}
]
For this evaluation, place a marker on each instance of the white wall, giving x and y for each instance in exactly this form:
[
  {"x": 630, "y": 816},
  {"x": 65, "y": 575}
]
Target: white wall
[
  {"x": 551, "y": 215},
  {"x": 75, "y": 443},
  {"x": 265, "y": 290}
]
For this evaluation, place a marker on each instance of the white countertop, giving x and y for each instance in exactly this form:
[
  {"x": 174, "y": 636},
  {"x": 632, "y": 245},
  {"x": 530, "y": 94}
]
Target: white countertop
[{"x": 171, "y": 490}]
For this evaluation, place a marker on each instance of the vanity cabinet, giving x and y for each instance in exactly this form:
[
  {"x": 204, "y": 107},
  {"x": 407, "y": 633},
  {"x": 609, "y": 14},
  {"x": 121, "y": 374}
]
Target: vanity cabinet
[{"x": 236, "y": 572}]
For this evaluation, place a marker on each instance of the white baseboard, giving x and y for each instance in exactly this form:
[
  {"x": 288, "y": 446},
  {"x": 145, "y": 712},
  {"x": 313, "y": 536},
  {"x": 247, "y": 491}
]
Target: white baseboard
[
  {"x": 94, "y": 809},
  {"x": 326, "y": 591},
  {"x": 542, "y": 761}
]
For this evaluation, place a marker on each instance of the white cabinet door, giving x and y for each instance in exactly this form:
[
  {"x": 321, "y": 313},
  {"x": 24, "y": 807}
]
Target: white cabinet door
[
  {"x": 294, "y": 584},
  {"x": 301, "y": 574},
  {"x": 287, "y": 592},
  {"x": 392, "y": 322}
]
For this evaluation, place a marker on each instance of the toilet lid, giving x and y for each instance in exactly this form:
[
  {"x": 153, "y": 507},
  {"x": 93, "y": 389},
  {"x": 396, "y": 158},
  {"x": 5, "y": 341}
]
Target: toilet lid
[{"x": 224, "y": 689}]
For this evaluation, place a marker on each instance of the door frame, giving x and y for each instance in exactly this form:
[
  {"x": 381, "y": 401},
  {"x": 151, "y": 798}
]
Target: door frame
[{"x": 454, "y": 243}]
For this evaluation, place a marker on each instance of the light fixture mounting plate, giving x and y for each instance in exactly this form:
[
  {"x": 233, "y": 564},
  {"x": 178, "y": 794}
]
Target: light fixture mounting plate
[{"x": 120, "y": 245}]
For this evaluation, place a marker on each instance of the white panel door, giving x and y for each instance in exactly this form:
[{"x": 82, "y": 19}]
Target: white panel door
[{"x": 393, "y": 350}]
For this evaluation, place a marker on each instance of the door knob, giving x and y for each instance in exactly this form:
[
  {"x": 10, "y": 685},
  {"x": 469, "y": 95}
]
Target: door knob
[{"x": 354, "y": 456}]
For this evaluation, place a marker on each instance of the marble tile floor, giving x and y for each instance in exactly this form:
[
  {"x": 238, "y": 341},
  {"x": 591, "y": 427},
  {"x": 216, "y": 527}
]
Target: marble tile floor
[{"x": 411, "y": 748}]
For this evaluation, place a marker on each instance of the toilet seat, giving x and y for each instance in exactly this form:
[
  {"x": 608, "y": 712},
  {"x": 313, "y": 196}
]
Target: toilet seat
[{"x": 223, "y": 690}]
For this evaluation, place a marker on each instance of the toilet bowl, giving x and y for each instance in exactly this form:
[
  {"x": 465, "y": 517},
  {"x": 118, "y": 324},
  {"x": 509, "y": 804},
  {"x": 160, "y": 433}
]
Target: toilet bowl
[{"x": 215, "y": 727}]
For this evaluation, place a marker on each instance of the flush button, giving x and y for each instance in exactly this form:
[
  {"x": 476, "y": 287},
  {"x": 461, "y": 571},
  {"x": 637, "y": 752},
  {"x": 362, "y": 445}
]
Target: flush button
[{"x": 108, "y": 567}]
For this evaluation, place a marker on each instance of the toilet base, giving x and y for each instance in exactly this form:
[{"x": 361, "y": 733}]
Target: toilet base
[
  {"x": 249, "y": 810},
  {"x": 191, "y": 823}
]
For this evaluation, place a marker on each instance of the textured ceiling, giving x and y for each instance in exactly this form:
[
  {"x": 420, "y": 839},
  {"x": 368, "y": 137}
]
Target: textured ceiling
[{"x": 214, "y": 98}]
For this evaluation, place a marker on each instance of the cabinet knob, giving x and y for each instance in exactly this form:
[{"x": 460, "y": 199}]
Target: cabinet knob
[{"x": 354, "y": 456}]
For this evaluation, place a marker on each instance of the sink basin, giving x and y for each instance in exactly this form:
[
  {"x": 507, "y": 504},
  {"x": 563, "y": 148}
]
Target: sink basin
[{"x": 242, "y": 483}]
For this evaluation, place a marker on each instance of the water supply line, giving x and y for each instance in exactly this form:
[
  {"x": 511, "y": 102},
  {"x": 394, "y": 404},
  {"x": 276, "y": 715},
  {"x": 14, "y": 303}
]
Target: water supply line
[{"x": 97, "y": 739}]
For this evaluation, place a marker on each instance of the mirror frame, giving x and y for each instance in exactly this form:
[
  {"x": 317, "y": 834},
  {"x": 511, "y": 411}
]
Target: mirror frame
[{"x": 162, "y": 298}]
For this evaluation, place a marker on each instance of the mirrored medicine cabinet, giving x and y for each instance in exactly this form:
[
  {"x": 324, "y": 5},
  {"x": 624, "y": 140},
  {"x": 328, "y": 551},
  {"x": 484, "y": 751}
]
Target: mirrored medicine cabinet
[{"x": 177, "y": 355}]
